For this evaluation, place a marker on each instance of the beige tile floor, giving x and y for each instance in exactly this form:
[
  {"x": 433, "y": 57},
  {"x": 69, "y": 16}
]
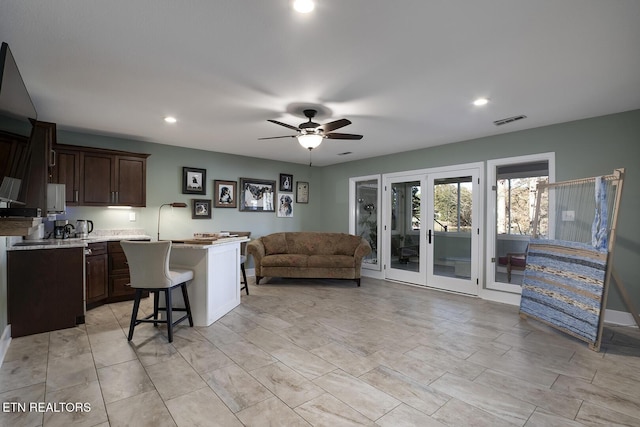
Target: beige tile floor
[{"x": 326, "y": 353}]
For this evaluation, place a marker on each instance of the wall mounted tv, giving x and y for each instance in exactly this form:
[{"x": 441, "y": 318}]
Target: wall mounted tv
[{"x": 17, "y": 115}]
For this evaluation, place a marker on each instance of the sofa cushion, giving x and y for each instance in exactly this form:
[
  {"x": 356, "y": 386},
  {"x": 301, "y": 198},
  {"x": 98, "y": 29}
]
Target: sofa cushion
[
  {"x": 331, "y": 261},
  {"x": 275, "y": 244},
  {"x": 285, "y": 260}
]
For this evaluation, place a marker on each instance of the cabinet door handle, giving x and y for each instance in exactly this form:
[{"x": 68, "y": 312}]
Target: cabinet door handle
[
  {"x": 52, "y": 158},
  {"x": 75, "y": 195}
]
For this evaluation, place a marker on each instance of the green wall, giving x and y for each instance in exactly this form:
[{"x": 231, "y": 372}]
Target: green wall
[{"x": 583, "y": 148}]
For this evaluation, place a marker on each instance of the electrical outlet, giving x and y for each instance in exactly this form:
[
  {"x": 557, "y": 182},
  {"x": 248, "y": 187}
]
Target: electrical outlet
[
  {"x": 568, "y": 215},
  {"x": 132, "y": 216}
]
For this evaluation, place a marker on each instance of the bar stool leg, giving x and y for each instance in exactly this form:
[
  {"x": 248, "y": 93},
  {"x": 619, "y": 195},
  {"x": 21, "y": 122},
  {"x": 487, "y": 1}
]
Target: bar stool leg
[
  {"x": 187, "y": 306},
  {"x": 156, "y": 300},
  {"x": 134, "y": 314},
  {"x": 167, "y": 297},
  {"x": 244, "y": 277}
]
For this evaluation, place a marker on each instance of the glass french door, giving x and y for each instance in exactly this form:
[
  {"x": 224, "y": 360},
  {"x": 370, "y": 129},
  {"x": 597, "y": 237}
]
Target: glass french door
[
  {"x": 403, "y": 230},
  {"x": 365, "y": 214},
  {"x": 431, "y": 229},
  {"x": 453, "y": 231}
]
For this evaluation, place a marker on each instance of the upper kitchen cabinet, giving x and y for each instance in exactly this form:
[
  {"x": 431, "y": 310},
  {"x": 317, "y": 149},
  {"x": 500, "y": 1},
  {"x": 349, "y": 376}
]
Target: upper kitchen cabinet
[
  {"x": 34, "y": 184},
  {"x": 97, "y": 177},
  {"x": 66, "y": 170}
]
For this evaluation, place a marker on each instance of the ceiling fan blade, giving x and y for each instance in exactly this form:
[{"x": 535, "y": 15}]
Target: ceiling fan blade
[
  {"x": 328, "y": 127},
  {"x": 283, "y": 124},
  {"x": 342, "y": 136},
  {"x": 276, "y": 137}
]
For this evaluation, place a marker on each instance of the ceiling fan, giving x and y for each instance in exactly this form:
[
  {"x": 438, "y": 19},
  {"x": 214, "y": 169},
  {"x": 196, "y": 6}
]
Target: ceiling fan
[{"x": 311, "y": 134}]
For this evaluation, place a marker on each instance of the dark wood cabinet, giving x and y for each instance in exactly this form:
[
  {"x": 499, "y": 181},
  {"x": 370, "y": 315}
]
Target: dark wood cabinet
[
  {"x": 107, "y": 273},
  {"x": 66, "y": 170},
  {"x": 97, "y": 177},
  {"x": 44, "y": 290},
  {"x": 97, "y": 172},
  {"x": 119, "y": 289},
  {"x": 131, "y": 180},
  {"x": 97, "y": 274}
]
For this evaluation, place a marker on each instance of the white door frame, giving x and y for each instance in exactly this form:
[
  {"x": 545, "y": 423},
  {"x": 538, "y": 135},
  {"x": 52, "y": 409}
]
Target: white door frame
[{"x": 478, "y": 207}]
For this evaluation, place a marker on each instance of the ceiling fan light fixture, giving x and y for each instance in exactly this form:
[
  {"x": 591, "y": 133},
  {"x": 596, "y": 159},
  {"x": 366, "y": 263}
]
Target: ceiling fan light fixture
[
  {"x": 303, "y": 6},
  {"x": 310, "y": 140}
]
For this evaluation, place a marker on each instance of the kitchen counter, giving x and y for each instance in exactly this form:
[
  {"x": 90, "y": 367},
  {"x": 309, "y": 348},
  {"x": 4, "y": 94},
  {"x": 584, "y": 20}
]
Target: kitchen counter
[
  {"x": 76, "y": 242},
  {"x": 215, "y": 288}
]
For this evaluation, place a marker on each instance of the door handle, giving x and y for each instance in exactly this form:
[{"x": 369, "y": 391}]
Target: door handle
[{"x": 429, "y": 236}]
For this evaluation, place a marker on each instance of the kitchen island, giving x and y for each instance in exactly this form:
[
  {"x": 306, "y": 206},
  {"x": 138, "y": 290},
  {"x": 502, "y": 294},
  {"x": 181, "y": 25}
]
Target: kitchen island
[{"x": 215, "y": 288}]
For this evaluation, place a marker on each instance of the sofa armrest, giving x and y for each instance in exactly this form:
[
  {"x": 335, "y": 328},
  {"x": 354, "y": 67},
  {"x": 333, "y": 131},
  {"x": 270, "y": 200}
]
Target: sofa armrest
[
  {"x": 362, "y": 250},
  {"x": 256, "y": 249}
]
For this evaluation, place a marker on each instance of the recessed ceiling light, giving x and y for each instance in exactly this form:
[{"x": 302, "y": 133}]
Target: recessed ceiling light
[
  {"x": 480, "y": 102},
  {"x": 303, "y": 6},
  {"x": 170, "y": 119}
]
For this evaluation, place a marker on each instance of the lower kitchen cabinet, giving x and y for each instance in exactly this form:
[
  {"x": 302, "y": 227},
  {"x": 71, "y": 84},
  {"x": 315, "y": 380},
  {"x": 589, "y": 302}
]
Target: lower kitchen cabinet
[
  {"x": 108, "y": 275},
  {"x": 119, "y": 289},
  {"x": 45, "y": 290},
  {"x": 97, "y": 274}
]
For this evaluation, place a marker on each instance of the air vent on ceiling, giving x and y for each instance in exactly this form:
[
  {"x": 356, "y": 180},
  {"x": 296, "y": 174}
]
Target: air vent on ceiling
[{"x": 509, "y": 120}]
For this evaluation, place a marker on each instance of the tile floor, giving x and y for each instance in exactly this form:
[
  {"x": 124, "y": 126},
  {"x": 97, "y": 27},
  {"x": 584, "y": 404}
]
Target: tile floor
[{"x": 326, "y": 353}]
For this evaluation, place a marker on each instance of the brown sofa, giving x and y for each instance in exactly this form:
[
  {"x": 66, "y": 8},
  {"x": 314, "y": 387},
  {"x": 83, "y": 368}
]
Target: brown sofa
[{"x": 309, "y": 255}]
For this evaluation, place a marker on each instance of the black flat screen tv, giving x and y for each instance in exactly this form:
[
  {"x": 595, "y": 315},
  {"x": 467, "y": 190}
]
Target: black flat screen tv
[{"x": 17, "y": 115}]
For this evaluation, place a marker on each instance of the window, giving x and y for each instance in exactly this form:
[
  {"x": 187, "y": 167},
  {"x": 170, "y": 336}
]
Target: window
[
  {"x": 516, "y": 192},
  {"x": 453, "y": 202}
]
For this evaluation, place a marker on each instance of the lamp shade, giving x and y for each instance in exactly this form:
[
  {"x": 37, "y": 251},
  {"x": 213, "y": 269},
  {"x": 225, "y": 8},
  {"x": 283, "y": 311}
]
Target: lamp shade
[{"x": 310, "y": 141}]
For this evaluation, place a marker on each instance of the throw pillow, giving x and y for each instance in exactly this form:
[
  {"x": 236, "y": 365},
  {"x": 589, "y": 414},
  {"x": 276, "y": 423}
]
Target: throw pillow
[{"x": 275, "y": 244}]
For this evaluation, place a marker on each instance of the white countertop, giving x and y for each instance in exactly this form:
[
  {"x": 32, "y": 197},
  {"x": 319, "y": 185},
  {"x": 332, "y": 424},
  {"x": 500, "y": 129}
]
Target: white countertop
[
  {"x": 72, "y": 242},
  {"x": 177, "y": 244}
]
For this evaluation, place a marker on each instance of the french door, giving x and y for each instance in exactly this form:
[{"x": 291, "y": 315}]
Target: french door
[{"x": 431, "y": 229}]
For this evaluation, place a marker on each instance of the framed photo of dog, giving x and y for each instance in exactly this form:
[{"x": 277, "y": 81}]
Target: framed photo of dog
[
  {"x": 194, "y": 181},
  {"x": 224, "y": 193},
  {"x": 201, "y": 209},
  {"x": 285, "y": 205},
  {"x": 257, "y": 195}
]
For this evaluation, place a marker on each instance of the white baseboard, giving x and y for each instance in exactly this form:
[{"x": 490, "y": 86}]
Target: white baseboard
[{"x": 5, "y": 340}]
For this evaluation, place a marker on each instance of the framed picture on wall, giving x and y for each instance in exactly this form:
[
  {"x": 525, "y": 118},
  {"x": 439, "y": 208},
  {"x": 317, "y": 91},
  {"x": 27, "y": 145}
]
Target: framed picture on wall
[
  {"x": 257, "y": 195},
  {"x": 224, "y": 193},
  {"x": 286, "y": 182},
  {"x": 302, "y": 192},
  {"x": 285, "y": 205},
  {"x": 194, "y": 181},
  {"x": 201, "y": 209}
]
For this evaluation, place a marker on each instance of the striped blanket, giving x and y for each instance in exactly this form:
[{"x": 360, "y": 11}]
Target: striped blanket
[{"x": 563, "y": 286}]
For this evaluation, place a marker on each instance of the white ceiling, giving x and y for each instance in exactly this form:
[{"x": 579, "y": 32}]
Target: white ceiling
[{"x": 404, "y": 72}]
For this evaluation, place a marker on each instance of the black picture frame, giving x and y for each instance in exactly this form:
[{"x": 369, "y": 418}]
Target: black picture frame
[
  {"x": 257, "y": 195},
  {"x": 201, "y": 209},
  {"x": 224, "y": 194},
  {"x": 194, "y": 181},
  {"x": 286, "y": 183},
  {"x": 302, "y": 192}
]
